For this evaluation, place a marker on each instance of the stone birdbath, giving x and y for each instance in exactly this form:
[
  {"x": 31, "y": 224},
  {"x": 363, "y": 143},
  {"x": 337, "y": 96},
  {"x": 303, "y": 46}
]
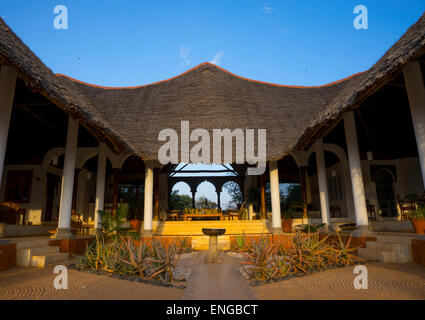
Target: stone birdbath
[{"x": 212, "y": 256}]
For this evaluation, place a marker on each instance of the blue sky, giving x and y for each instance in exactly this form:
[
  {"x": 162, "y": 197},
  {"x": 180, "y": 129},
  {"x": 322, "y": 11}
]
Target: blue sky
[{"x": 129, "y": 42}]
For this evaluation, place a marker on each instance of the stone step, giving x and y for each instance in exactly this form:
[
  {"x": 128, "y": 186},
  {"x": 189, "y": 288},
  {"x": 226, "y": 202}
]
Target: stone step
[
  {"x": 200, "y": 228},
  {"x": 367, "y": 254},
  {"x": 202, "y": 243},
  {"x": 386, "y": 251},
  {"x": 387, "y": 257},
  {"x": 395, "y": 239},
  {"x": 30, "y": 243},
  {"x": 385, "y": 246},
  {"x": 199, "y": 232},
  {"x": 44, "y": 260},
  {"x": 231, "y": 227},
  {"x": 215, "y": 221},
  {"x": 400, "y": 254},
  {"x": 215, "y": 225},
  {"x": 24, "y": 255}
]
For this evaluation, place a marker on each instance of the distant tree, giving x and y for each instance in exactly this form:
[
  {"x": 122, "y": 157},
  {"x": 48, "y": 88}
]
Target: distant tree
[
  {"x": 235, "y": 193},
  {"x": 179, "y": 201},
  {"x": 294, "y": 193},
  {"x": 203, "y": 202},
  {"x": 291, "y": 204}
]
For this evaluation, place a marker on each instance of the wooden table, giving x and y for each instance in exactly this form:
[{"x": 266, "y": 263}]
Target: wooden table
[{"x": 186, "y": 216}]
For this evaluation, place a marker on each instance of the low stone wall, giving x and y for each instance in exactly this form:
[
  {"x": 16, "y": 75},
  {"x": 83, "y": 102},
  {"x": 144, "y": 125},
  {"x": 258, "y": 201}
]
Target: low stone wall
[
  {"x": 11, "y": 230},
  {"x": 73, "y": 246},
  {"x": 418, "y": 251},
  {"x": 286, "y": 239},
  {"x": 393, "y": 226},
  {"x": 359, "y": 242},
  {"x": 166, "y": 240},
  {"x": 7, "y": 255}
]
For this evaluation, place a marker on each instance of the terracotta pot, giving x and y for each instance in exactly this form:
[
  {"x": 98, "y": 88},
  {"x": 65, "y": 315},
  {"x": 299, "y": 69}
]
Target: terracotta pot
[
  {"x": 287, "y": 225},
  {"x": 135, "y": 224},
  {"x": 419, "y": 225}
]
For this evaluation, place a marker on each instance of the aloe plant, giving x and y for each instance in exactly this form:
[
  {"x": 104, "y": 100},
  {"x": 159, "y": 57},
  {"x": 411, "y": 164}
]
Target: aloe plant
[
  {"x": 135, "y": 257},
  {"x": 183, "y": 245},
  {"x": 239, "y": 243},
  {"x": 309, "y": 228},
  {"x": 309, "y": 253},
  {"x": 259, "y": 259},
  {"x": 162, "y": 261}
]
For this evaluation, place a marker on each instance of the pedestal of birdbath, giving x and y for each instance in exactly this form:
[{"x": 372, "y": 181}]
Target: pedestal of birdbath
[{"x": 212, "y": 255}]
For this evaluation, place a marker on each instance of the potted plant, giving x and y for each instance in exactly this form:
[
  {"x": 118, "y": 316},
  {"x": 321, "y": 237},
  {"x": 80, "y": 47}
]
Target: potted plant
[
  {"x": 418, "y": 220},
  {"x": 135, "y": 224},
  {"x": 287, "y": 221},
  {"x": 290, "y": 210}
]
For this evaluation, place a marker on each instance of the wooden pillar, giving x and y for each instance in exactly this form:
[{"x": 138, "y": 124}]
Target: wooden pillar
[
  {"x": 275, "y": 195},
  {"x": 303, "y": 185},
  {"x": 100, "y": 187},
  {"x": 156, "y": 193},
  {"x": 416, "y": 93},
  {"x": 147, "y": 221},
  {"x": 323, "y": 184},
  {"x": 7, "y": 91},
  {"x": 137, "y": 195},
  {"x": 193, "y": 199},
  {"x": 75, "y": 191},
  {"x": 116, "y": 173},
  {"x": 218, "y": 191},
  {"x": 263, "y": 196},
  {"x": 354, "y": 162},
  {"x": 65, "y": 208}
]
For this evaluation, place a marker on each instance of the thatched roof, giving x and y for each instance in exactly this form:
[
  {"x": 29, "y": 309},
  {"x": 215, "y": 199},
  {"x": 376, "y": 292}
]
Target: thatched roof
[
  {"x": 41, "y": 79},
  {"x": 207, "y": 96}
]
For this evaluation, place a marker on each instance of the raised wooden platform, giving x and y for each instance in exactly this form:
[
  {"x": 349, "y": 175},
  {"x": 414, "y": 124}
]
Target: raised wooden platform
[{"x": 200, "y": 241}]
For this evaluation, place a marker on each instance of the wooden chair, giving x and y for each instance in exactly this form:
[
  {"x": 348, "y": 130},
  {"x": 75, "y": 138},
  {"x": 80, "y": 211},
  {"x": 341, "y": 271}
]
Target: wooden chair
[
  {"x": 371, "y": 212},
  {"x": 405, "y": 206},
  {"x": 335, "y": 212},
  {"x": 225, "y": 214},
  {"x": 173, "y": 215},
  {"x": 236, "y": 213},
  {"x": 11, "y": 213},
  {"x": 76, "y": 223}
]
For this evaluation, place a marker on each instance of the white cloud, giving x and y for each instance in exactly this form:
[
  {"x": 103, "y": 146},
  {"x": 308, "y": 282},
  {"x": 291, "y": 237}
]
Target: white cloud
[
  {"x": 184, "y": 54},
  {"x": 217, "y": 57},
  {"x": 268, "y": 9}
]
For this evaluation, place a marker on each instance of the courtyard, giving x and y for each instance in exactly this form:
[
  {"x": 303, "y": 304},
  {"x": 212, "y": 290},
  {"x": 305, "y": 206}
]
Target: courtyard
[{"x": 220, "y": 282}]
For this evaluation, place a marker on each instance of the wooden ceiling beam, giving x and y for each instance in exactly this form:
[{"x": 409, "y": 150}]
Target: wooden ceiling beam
[
  {"x": 36, "y": 116},
  {"x": 37, "y": 104}
]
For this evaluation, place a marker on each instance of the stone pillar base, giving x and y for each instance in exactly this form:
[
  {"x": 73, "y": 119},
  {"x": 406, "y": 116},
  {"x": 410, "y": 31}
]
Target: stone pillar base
[
  {"x": 2, "y": 230},
  {"x": 147, "y": 233},
  {"x": 363, "y": 231},
  {"x": 328, "y": 228},
  {"x": 212, "y": 255},
  {"x": 64, "y": 233},
  {"x": 96, "y": 231},
  {"x": 277, "y": 230}
]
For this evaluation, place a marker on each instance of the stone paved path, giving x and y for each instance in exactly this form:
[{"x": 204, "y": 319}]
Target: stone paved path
[
  {"x": 386, "y": 281},
  {"x": 37, "y": 284},
  {"x": 217, "y": 281}
]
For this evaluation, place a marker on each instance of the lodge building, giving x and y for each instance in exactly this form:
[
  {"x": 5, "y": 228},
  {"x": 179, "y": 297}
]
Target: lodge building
[{"x": 356, "y": 146}]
